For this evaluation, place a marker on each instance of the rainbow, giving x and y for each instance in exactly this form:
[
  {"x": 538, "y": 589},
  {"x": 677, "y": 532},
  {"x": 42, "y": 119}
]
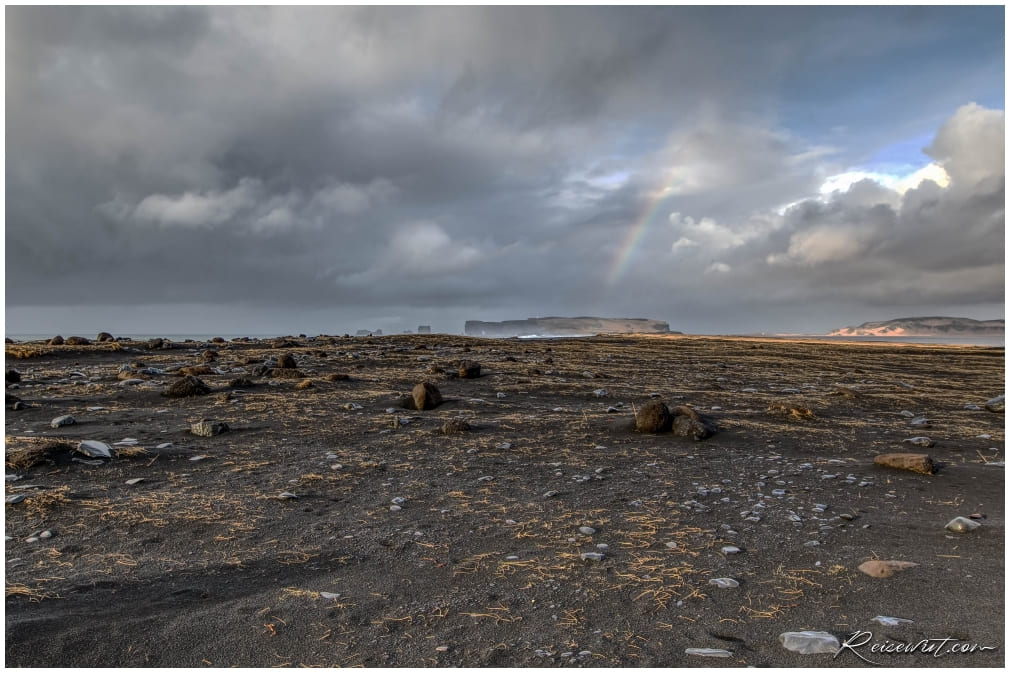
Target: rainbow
[{"x": 635, "y": 235}]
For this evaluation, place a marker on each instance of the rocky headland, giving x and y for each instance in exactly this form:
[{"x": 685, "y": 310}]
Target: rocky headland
[{"x": 925, "y": 327}]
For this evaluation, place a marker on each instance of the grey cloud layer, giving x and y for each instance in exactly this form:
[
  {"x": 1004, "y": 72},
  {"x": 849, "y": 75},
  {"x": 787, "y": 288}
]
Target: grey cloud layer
[{"x": 496, "y": 157}]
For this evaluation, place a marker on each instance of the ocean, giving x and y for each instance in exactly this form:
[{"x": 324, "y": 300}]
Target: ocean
[{"x": 989, "y": 341}]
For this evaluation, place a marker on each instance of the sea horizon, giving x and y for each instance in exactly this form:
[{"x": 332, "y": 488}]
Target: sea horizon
[{"x": 967, "y": 340}]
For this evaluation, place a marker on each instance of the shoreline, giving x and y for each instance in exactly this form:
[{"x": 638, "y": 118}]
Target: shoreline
[{"x": 981, "y": 341}]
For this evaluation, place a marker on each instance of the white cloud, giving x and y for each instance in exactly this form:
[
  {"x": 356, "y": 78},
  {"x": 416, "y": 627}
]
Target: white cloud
[
  {"x": 718, "y": 267},
  {"x": 704, "y": 232},
  {"x": 350, "y": 199},
  {"x": 425, "y": 249},
  {"x": 199, "y": 209}
]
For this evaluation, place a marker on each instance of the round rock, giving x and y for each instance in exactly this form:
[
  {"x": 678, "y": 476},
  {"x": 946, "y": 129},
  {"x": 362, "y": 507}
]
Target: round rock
[{"x": 653, "y": 417}]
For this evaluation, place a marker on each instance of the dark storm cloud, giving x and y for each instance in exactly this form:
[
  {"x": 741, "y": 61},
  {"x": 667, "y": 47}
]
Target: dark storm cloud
[{"x": 480, "y": 158}]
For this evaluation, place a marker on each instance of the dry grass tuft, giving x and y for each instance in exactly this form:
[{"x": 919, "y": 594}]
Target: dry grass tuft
[
  {"x": 23, "y": 453},
  {"x": 42, "y": 503},
  {"x": 792, "y": 412},
  {"x": 34, "y": 595}
]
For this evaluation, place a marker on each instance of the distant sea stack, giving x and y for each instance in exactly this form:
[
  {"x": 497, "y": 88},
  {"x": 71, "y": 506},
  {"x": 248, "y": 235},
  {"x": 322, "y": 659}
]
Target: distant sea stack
[
  {"x": 925, "y": 327},
  {"x": 566, "y": 327}
]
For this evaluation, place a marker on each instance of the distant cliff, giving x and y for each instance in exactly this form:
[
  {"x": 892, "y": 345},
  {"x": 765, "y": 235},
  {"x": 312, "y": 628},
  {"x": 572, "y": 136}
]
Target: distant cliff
[
  {"x": 565, "y": 327},
  {"x": 933, "y": 326}
]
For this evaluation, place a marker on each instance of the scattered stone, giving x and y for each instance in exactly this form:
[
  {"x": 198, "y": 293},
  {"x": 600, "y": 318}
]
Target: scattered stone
[
  {"x": 337, "y": 377},
  {"x": 707, "y": 652},
  {"x": 287, "y": 495},
  {"x": 286, "y": 361},
  {"x": 730, "y": 549},
  {"x": 587, "y": 530},
  {"x": 600, "y": 392},
  {"x": 15, "y": 498},
  {"x": 426, "y": 396},
  {"x": 972, "y": 407},
  {"x": 688, "y": 423},
  {"x": 189, "y": 386},
  {"x": 328, "y": 595},
  {"x": 880, "y": 568},
  {"x": 914, "y": 462},
  {"x": 241, "y": 382},
  {"x": 55, "y": 341},
  {"x": 455, "y": 426},
  {"x": 134, "y": 482},
  {"x": 996, "y": 404},
  {"x": 671, "y": 545},
  {"x": 724, "y": 582},
  {"x": 845, "y": 391},
  {"x": 104, "y": 336},
  {"x": 550, "y": 494},
  {"x": 961, "y": 524},
  {"x": 303, "y": 385},
  {"x": 468, "y": 369},
  {"x": 810, "y": 642},
  {"x": 12, "y": 376},
  {"x": 442, "y": 648},
  {"x": 919, "y": 441},
  {"x": 591, "y": 556},
  {"x": 95, "y": 449},
  {"x": 77, "y": 341},
  {"x": 207, "y": 428},
  {"x": 60, "y": 421},
  {"x": 891, "y": 621},
  {"x": 155, "y": 344},
  {"x": 653, "y": 417}
]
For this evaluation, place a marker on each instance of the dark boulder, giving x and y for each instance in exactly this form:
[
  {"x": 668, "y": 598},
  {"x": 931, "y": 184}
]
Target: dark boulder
[
  {"x": 189, "y": 386},
  {"x": 653, "y": 417},
  {"x": 426, "y": 396}
]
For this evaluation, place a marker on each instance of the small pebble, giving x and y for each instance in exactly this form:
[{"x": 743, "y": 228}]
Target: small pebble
[
  {"x": 724, "y": 582},
  {"x": 708, "y": 652},
  {"x": 591, "y": 556},
  {"x": 730, "y": 549},
  {"x": 587, "y": 530},
  {"x": 60, "y": 421},
  {"x": 961, "y": 524}
]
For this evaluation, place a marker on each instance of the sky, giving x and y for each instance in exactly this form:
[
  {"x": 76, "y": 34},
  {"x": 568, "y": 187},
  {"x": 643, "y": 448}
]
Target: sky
[{"x": 319, "y": 170}]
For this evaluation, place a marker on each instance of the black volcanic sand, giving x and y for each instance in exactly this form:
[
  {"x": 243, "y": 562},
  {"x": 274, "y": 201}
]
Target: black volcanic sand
[{"x": 205, "y": 563}]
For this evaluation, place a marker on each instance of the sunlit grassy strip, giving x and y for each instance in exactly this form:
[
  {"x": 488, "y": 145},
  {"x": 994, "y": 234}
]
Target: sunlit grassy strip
[{"x": 25, "y": 351}]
